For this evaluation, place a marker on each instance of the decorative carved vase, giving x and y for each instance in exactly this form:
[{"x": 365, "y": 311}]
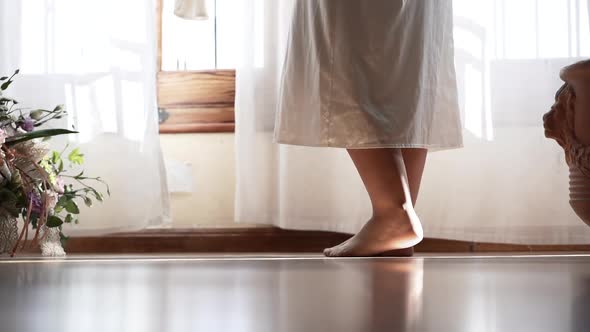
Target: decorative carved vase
[
  {"x": 568, "y": 123},
  {"x": 51, "y": 244},
  {"x": 8, "y": 234}
]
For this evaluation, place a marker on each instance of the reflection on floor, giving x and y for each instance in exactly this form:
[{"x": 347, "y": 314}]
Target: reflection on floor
[{"x": 303, "y": 293}]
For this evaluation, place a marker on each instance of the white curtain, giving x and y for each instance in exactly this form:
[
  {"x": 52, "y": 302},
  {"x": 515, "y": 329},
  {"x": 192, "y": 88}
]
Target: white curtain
[
  {"x": 509, "y": 184},
  {"x": 97, "y": 58}
]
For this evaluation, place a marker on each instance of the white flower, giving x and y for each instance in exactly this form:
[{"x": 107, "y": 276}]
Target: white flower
[
  {"x": 3, "y": 136},
  {"x": 51, "y": 199}
]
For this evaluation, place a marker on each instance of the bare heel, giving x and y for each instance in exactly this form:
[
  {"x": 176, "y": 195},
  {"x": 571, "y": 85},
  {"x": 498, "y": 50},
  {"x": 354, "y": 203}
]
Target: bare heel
[{"x": 407, "y": 252}]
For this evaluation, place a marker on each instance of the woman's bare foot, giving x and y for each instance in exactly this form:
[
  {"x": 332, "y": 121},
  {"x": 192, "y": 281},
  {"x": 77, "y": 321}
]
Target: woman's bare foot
[{"x": 398, "y": 230}]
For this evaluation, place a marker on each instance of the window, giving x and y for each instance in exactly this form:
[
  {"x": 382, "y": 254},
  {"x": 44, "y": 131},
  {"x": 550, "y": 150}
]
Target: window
[
  {"x": 200, "y": 44},
  {"x": 196, "y": 61}
]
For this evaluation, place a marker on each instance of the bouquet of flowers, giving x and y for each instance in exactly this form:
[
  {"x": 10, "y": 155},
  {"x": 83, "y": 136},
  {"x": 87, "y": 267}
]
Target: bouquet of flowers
[{"x": 37, "y": 185}]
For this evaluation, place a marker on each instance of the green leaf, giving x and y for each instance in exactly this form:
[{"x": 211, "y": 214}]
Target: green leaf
[
  {"x": 87, "y": 201},
  {"x": 69, "y": 218},
  {"x": 55, "y": 157},
  {"x": 37, "y": 114},
  {"x": 3, "y": 78},
  {"x": 8, "y": 203},
  {"x": 54, "y": 221},
  {"x": 61, "y": 167},
  {"x": 6, "y": 195},
  {"x": 98, "y": 196},
  {"x": 72, "y": 207},
  {"x": 5, "y": 85},
  {"x": 62, "y": 201},
  {"x": 7, "y": 100},
  {"x": 63, "y": 239},
  {"x": 37, "y": 134},
  {"x": 76, "y": 157}
]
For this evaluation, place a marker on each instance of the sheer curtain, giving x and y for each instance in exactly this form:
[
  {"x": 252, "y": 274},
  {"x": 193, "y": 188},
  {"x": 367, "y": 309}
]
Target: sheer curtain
[
  {"x": 97, "y": 58},
  {"x": 509, "y": 183}
]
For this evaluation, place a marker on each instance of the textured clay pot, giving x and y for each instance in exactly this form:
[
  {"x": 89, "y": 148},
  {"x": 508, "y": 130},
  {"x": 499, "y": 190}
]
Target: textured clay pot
[{"x": 568, "y": 123}]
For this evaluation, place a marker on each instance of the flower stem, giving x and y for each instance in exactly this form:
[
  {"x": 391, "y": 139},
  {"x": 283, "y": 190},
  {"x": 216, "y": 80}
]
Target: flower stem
[{"x": 25, "y": 226}]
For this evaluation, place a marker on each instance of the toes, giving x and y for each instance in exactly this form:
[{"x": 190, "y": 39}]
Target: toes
[
  {"x": 330, "y": 252},
  {"x": 336, "y": 251},
  {"x": 333, "y": 252}
]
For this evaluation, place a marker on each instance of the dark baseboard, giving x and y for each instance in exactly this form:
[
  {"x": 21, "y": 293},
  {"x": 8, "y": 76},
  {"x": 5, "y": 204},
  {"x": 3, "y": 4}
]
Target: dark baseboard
[{"x": 266, "y": 240}]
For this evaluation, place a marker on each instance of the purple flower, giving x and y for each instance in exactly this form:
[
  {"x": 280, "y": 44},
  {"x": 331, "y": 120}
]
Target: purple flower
[
  {"x": 37, "y": 206},
  {"x": 28, "y": 124}
]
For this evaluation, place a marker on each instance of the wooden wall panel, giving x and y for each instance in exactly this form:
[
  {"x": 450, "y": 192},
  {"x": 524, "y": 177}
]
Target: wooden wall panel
[
  {"x": 197, "y": 120},
  {"x": 200, "y": 115},
  {"x": 269, "y": 240},
  {"x": 190, "y": 89},
  {"x": 196, "y": 101},
  {"x": 183, "y": 128}
]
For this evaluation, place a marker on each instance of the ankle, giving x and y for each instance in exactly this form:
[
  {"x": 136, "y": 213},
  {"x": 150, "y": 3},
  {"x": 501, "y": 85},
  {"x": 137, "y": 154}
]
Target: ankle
[{"x": 389, "y": 213}]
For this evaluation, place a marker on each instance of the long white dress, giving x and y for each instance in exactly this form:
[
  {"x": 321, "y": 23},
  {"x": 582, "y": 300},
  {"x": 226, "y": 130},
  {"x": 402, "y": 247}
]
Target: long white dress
[{"x": 370, "y": 74}]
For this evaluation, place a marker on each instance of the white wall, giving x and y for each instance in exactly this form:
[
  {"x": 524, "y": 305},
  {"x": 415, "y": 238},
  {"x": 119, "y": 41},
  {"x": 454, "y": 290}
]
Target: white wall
[{"x": 209, "y": 169}]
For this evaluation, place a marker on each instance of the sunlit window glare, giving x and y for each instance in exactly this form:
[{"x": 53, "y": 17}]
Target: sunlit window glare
[
  {"x": 100, "y": 62},
  {"x": 535, "y": 34}
]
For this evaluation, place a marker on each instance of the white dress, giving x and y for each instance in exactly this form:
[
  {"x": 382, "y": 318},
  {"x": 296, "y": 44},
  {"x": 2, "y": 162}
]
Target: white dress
[{"x": 370, "y": 74}]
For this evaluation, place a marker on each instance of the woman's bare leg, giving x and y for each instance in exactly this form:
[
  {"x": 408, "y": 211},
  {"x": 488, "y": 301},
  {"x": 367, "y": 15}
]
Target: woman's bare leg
[
  {"x": 394, "y": 224},
  {"x": 414, "y": 160}
]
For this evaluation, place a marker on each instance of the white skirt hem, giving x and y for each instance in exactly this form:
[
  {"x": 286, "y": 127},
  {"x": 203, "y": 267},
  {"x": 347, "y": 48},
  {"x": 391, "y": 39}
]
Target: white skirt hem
[{"x": 434, "y": 147}]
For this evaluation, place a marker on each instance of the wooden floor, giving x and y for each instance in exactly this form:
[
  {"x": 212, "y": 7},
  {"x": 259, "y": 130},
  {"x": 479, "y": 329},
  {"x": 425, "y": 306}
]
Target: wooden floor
[{"x": 296, "y": 293}]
